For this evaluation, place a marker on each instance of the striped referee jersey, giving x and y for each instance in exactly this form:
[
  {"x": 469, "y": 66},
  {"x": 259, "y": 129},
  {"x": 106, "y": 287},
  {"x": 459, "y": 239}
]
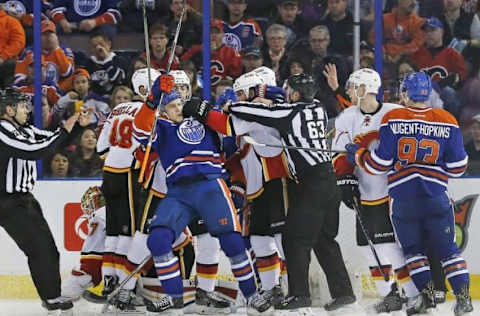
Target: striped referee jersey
[
  {"x": 20, "y": 147},
  {"x": 300, "y": 124}
]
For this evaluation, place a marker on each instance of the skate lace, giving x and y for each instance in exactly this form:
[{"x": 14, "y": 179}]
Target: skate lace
[
  {"x": 257, "y": 300},
  {"x": 164, "y": 302}
]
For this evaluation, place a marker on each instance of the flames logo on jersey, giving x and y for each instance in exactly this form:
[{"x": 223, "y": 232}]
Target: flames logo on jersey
[
  {"x": 191, "y": 132},
  {"x": 436, "y": 72},
  {"x": 367, "y": 120},
  {"x": 463, "y": 210}
]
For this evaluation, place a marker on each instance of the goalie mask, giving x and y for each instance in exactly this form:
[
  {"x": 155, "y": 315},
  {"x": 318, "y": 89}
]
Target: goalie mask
[
  {"x": 92, "y": 200},
  {"x": 182, "y": 84},
  {"x": 245, "y": 82},
  {"x": 140, "y": 81}
]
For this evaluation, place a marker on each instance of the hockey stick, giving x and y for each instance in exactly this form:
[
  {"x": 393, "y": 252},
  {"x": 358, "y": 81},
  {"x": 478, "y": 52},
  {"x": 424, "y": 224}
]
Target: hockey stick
[
  {"x": 169, "y": 65},
  {"x": 356, "y": 207},
  {"x": 120, "y": 286},
  {"x": 252, "y": 141}
]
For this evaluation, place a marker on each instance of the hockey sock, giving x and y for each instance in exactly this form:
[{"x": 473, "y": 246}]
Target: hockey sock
[
  {"x": 166, "y": 263},
  {"x": 208, "y": 256},
  {"x": 406, "y": 282},
  {"x": 278, "y": 242},
  {"x": 121, "y": 262},
  {"x": 455, "y": 269},
  {"x": 267, "y": 261},
  {"x": 396, "y": 257},
  {"x": 137, "y": 252},
  {"x": 253, "y": 259},
  {"x": 108, "y": 264},
  {"x": 419, "y": 269},
  {"x": 233, "y": 246},
  {"x": 383, "y": 287}
]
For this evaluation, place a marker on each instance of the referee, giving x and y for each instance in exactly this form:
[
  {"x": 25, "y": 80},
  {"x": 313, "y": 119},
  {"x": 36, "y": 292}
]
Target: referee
[
  {"x": 20, "y": 213},
  {"x": 313, "y": 218}
]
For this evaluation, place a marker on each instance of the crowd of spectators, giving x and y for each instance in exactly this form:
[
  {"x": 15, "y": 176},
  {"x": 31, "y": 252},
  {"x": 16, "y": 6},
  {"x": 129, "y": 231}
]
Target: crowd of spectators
[{"x": 440, "y": 37}]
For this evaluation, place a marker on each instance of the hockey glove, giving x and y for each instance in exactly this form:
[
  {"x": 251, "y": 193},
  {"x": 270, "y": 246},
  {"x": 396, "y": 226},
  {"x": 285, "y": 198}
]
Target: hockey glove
[
  {"x": 197, "y": 109},
  {"x": 227, "y": 96},
  {"x": 239, "y": 195},
  {"x": 351, "y": 151},
  {"x": 276, "y": 94},
  {"x": 163, "y": 84},
  {"x": 348, "y": 185}
]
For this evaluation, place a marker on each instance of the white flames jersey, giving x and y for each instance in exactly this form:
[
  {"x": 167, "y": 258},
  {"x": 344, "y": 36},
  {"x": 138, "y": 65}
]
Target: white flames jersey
[
  {"x": 116, "y": 137},
  {"x": 159, "y": 181},
  {"x": 354, "y": 126},
  {"x": 95, "y": 242}
]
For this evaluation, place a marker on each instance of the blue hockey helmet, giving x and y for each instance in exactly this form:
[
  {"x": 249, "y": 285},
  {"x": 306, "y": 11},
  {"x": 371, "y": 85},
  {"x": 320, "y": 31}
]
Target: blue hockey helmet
[{"x": 418, "y": 86}]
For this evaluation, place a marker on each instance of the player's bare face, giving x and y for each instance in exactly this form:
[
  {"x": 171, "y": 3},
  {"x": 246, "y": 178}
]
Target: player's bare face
[
  {"x": 174, "y": 110},
  {"x": 183, "y": 90},
  {"x": 241, "y": 96}
]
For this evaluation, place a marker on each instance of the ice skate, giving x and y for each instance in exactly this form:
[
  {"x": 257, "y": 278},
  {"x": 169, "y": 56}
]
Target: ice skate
[
  {"x": 124, "y": 303},
  {"x": 463, "y": 306},
  {"x": 61, "y": 303},
  {"x": 258, "y": 305},
  {"x": 390, "y": 303},
  {"x": 422, "y": 302},
  {"x": 165, "y": 306},
  {"x": 207, "y": 303},
  {"x": 275, "y": 295},
  {"x": 440, "y": 297}
]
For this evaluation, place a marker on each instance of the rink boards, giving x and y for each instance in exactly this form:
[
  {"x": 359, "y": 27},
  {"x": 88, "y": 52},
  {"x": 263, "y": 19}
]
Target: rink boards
[{"x": 60, "y": 203}]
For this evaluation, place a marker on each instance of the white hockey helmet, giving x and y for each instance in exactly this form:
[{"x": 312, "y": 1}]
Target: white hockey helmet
[
  {"x": 247, "y": 81},
  {"x": 140, "y": 81},
  {"x": 367, "y": 77},
  {"x": 180, "y": 77},
  {"x": 267, "y": 74}
]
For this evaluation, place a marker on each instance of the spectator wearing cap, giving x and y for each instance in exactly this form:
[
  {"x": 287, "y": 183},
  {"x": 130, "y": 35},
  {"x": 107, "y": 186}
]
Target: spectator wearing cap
[
  {"x": 86, "y": 15},
  {"x": 191, "y": 24},
  {"x": 159, "y": 55},
  {"x": 275, "y": 52},
  {"x": 225, "y": 61},
  {"x": 252, "y": 58},
  {"x": 12, "y": 42},
  {"x": 289, "y": 16},
  {"x": 402, "y": 31},
  {"x": 106, "y": 68},
  {"x": 58, "y": 58},
  {"x": 340, "y": 23},
  {"x": 81, "y": 99},
  {"x": 240, "y": 31},
  {"x": 472, "y": 147}
]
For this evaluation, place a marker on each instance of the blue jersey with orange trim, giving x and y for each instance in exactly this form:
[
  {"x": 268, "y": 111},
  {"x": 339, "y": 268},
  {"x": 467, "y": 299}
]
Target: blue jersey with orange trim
[
  {"x": 420, "y": 149},
  {"x": 243, "y": 34},
  {"x": 187, "y": 149}
]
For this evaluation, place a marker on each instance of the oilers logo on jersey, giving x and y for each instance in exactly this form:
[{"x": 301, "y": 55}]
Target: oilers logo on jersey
[
  {"x": 191, "y": 132},
  {"x": 86, "y": 7}
]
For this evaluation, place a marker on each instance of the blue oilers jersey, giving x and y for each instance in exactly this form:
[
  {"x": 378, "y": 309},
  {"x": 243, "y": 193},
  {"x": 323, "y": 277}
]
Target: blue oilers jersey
[
  {"x": 242, "y": 35},
  {"x": 187, "y": 149},
  {"x": 78, "y": 10},
  {"x": 419, "y": 149}
]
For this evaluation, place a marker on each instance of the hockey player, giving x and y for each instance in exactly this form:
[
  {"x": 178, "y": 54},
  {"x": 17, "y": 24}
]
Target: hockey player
[
  {"x": 182, "y": 84},
  {"x": 360, "y": 124},
  {"x": 124, "y": 248},
  {"x": 189, "y": 153},
  {"x": 420, "y": 149},
  {"x": 312, "y": 220},
  {"x": 91, "y": 257}
]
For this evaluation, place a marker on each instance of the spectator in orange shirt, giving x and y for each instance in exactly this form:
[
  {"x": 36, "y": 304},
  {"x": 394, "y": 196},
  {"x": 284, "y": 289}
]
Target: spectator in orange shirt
[
  {"x": 12, "y": 42},
  {"x": 402, "y": 31},
  {"x": 58, "y": 59},
  {"x": 159, "y": 54}
]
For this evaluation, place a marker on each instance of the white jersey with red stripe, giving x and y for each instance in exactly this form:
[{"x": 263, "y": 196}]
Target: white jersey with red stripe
[
  {"x": 352, "y": 125},
  {"x": 116, "y": 137}
]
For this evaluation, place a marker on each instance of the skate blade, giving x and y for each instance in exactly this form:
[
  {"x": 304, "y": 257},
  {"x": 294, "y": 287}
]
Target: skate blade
[
  {"x": 254, "y": 312},
  {"x": 303, "y": 311},
  {"x": 115, "y": 312}
]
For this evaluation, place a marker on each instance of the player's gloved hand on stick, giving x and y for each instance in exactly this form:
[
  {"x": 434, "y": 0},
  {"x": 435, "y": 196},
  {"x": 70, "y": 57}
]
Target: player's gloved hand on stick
[
  {"x": 239, "y": 194},
  {"x": 163, "y": 84},
  {"x": 351, "y": 151},
  {"x": 197, "y": 109},
  {"x": 348, "y": 185}
]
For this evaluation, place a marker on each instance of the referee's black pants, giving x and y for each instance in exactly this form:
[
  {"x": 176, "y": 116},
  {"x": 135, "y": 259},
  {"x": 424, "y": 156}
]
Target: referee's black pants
[
  {"x": 22, "y": 218},
  {"x": 312, "y": 223}
]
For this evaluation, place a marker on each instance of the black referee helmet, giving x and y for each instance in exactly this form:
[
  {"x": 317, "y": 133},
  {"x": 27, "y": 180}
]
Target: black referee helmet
[
  {"x": 11, "y": 97},
  {"x": 305, "y": 85}
]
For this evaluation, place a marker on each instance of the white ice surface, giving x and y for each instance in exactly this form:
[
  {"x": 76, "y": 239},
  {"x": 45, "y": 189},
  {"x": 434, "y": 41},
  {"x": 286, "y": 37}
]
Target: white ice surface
[{"x": 83, "y": 308}]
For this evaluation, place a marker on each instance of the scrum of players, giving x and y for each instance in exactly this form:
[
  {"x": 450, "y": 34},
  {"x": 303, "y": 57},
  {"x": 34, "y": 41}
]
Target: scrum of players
[{"x": 227, "y": 195}]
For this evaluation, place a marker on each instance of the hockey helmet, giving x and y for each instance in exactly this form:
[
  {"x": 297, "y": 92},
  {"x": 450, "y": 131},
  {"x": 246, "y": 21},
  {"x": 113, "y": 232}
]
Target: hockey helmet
[
  {"x": 417, "y": 86},
  {"x": 92, "y": 200},
  {"x": 247, "y": 81},
  {"x": 304, "y": 84},
  {"x": 12, "y": 97},
  {"x": 367, "y": 77},
  {"x": 267, "y": 74},
  {"x": 140, "y": 81},
  {"x": 180, "y": 78}
]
